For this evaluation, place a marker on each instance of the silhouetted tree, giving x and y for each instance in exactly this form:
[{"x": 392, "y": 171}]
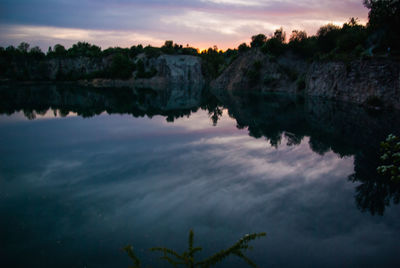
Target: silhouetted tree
[
  {"x": 243, "y": 47},
  {"x": 275, "y": 45},
  {"x": 23, "y": 47},
  {"x": 258, "y": 40},
  {"x": 168, "y": 47},
  {"x": 327, "y": 36},
  {"x": 384, "y": 17}
]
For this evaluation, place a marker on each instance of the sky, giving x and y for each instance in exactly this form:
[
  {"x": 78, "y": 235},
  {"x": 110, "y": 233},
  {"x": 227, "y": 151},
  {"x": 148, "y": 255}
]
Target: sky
[{"x": 199, "y": 23}]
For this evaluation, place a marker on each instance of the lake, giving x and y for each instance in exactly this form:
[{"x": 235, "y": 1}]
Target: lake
[{"x": 84, "y": 172}]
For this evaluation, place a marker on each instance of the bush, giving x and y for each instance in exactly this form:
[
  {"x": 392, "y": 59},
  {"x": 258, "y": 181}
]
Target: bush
[
  {"x": 243, "y": 48},
  {"x": 152, "y": 52},
  {"x": 121, "y": 67},
  {"x": 258, "y": 40},
  {"x": 168, "y": 47},
  {"x": 327, "y": 36}
]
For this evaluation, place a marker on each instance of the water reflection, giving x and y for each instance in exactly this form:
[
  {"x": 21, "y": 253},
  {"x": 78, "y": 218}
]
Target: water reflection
[
  {"x": 273, "y": 163},
  {"x": 345, "y": 129},
  {"x": 63, "y": 100}
]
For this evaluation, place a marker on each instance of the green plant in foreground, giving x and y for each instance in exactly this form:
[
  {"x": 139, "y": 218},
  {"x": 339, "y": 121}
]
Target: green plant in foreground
[
  {"x": 186, "y": 259},
  {"x": 391, "y": 158}
]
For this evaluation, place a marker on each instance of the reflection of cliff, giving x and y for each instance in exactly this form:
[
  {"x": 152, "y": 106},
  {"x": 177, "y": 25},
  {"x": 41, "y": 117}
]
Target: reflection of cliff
[
  {"x": 342, "y": 127},
  {"x": 172, "y": 102}
]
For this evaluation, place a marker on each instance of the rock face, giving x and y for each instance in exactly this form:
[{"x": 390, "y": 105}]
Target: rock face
[
  {"x": 81, "y": 65},
  {"x": 173, "y": 71},
  {"x": 177, "y": 70},
  {"x": 182, "y": 70},
  {"x": 367, "y": 82},
  {"x": 358, "y": 81},
  {"x": 255, "y": 70}
]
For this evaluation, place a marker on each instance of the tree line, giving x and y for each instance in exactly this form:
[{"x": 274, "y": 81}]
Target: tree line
[{"x": 381, "y": 36}]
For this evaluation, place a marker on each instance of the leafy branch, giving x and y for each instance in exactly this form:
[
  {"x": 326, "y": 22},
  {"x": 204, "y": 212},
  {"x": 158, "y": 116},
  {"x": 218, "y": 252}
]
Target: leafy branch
[
  {"x": 391, "y": 158},
  {"x": 186, "y": 259}
]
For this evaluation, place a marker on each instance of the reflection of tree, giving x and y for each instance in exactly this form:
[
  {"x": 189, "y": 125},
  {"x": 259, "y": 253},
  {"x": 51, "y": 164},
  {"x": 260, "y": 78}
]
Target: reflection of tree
[
  {"x": 330, "y": 126},
  {"x": 377, "y": 190},
  {"x": 213, "y": 106},
  {"x": 374, "y": 194},
  {"x": 88, "y": 102},
  {"x": 215, "y": 115}
]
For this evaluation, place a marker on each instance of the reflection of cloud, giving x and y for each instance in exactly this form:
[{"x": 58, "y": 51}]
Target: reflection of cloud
[
  {"x": 201, "y": 121},
  {"x": 241, "y": 151},
  {"x": 20, "y": 116},
  {"x": 150, "y": 189}
]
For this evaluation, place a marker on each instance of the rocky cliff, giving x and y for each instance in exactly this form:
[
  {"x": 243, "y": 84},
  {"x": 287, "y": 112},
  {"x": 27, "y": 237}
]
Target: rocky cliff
[
  {"x": 182, "y": 70},
  {"x": 256, "y": 70},
  {"x": 361, "y": 81},
  {"x": 373, "y": 82}
]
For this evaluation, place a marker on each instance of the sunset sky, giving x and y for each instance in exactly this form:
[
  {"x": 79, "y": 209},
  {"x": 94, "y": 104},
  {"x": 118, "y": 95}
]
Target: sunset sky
[{"x": 200, "y": 23}]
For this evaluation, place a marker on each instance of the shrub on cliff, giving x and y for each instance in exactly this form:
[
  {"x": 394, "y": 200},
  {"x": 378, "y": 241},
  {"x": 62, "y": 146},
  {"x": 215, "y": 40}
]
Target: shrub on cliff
[
  {"x": 327, "y": 36},
  {"x": 121, "y": 67},
  {"x": 243, "y": 48},
  {"x": 152, "y": 52},
  {"x": 213, "y": 61},
  {"x": 276, "y": 44},
  {"x": 258, "y": 40},
  {"x": 84, "y": 49},
  {"x": 383, "y": 23}
]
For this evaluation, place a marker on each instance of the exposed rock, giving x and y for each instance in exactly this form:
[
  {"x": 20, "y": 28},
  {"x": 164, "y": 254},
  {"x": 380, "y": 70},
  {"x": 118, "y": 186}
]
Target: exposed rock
[
  {"x": 256, "y": 70},
  {"x": 81, "y": 65},
  {"x": 358, "y": 81}
]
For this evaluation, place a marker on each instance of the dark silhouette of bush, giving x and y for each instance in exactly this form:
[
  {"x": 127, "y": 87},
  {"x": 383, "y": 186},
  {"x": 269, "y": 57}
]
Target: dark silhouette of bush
[
  {"x": 276, "y": 44},
  {"x": 135, "y": 50},
  {"x": 213, "y": 61},
  {"x": 168, "y": 47},
  {"x": 243, "y": 47},
  {"x": 84, "y": 49},
  {"x": 352, "y": 35},
  {"x": 115, "y": 50},
  {"x": 383, "y": 23},
  {"x": 258, "y": 40},
  {"x": 152, "y": 52},
  {"x": 121, "y": 67},
  {"x": 327, "y": 36}
]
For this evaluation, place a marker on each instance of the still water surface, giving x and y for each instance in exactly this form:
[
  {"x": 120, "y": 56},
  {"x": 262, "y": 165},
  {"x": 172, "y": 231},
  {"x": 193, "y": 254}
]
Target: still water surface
[{"x": 76, "y": 188}]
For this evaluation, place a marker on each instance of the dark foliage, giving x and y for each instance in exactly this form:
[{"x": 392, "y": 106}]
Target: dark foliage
[
  {"x": 384, "y": 21},
  {"x": 187, "y": 258},
  {"x": 121, "y": 67},
  {"x": 243, "y": 48},
  {"x": 258, "y": 40},
  {"x": 141, "y": 70}
]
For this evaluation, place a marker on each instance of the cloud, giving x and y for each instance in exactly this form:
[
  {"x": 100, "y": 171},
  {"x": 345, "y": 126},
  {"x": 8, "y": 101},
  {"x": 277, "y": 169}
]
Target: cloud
[{"x": 202, "y": 23}]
